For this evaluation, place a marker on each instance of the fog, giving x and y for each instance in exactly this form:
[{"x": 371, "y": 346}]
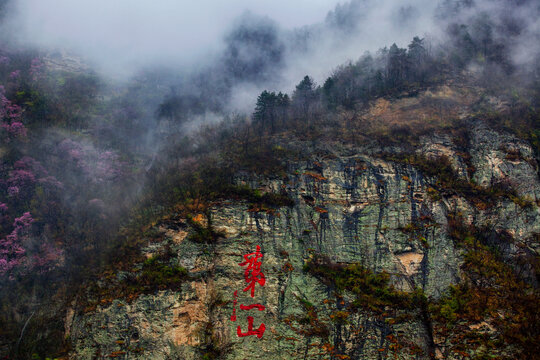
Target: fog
[
  {"x": 227, "y": 52},
  {"x": 120, "y": 36}
]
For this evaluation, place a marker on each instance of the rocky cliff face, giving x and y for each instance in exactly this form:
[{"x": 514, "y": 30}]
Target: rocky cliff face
[{"x": 375, "y": 214}]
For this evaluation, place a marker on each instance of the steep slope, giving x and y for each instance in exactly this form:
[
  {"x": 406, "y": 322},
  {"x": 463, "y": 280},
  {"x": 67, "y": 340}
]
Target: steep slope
[{"x": 369, "y": 252}]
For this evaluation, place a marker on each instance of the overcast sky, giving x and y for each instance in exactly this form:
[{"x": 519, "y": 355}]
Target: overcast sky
[{"x": 127, "y": 33}]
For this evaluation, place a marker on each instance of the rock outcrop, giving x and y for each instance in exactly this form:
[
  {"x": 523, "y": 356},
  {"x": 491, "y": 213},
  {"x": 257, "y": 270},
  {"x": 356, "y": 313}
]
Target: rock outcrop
[{"x": 383, "y": 215}]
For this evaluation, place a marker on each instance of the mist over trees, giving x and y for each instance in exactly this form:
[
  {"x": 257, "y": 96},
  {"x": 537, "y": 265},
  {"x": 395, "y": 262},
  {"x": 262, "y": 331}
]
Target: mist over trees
[
  {"x": 83, "y": 158},
  {"x": 125, "y": 130},
  {"x": 253, "y": 49}
]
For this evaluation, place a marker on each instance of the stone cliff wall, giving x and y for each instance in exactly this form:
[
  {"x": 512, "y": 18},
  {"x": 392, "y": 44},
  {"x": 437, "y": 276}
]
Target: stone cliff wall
[{"x": 384, "y": 215}]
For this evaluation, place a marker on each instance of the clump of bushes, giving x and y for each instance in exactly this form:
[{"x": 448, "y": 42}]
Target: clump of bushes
[
  {"x": 372, "y": 291},
  {"x": 156, "y": 274},
  {"x": 492, "y": 293},
  {"x": 312, "y": 324},
  {"x": 255, "y": 197},
  {"x": 203, "y": 233}
]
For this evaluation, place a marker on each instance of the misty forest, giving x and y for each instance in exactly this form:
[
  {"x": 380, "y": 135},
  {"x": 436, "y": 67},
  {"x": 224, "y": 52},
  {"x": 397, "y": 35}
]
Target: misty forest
[{"x": 270, "y": 180}]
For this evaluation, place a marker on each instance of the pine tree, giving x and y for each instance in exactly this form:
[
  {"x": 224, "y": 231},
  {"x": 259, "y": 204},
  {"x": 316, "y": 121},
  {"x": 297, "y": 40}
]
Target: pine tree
[
  {"x": 304, "y": 95},
  {"x": 265, "y": 111}
]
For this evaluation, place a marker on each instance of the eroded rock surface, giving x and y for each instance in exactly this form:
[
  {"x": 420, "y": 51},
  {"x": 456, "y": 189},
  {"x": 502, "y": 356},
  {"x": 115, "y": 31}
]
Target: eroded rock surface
[{"x": 352, "y": 209}]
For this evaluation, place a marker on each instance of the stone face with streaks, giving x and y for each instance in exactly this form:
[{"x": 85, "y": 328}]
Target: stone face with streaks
[{"x": 353, "y": 209}]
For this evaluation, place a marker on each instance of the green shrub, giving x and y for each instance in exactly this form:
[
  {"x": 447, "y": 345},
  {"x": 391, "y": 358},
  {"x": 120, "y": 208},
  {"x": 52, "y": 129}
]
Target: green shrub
[
  {"x": 157, "y": 275},
  {"x": 372, "y": 291},
  {"x": 203, "y": 234}
]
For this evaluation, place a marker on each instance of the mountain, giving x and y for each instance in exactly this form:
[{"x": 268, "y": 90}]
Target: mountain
[
  {"x": 245, "y": 207},
  {"x": 415, "y": 250}
]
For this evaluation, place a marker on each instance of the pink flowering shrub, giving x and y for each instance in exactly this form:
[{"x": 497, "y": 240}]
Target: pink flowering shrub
[
  {"x": 47, "y": 258},
  {"x": 25, "y": 175},
  {"x": 4, "y": 60},
  {"x": 21, "y": 178},
  {"x": 19, "y": 253},
  {"x": 97, "y": 209},
  {"x": 96, "y": 204},
  {"x": 71, "y": 150},
  {"x": 15, "y": 129},
  {"x": 3, "y": 101},
  {"x": 12, "y": 252},
  {"x": 29, "y": 163},
  {"x": 36, "y": 68},
  {"x": 14, "y": 75},
  {"x": 50, "y": 181},
  {"x": 23, "y": 223},
  {"x": 13, "y": 191},
  {"x": 8, "y": 110},
  {"x": 10, "y": 117},
  {"x": 98, "y": 166},
  {"x": 14, "y": 256}
]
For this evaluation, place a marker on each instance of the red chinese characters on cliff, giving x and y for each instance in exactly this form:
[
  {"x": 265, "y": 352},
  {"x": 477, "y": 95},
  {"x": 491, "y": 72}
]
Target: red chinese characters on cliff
[{"x": 253, "y": 276}]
